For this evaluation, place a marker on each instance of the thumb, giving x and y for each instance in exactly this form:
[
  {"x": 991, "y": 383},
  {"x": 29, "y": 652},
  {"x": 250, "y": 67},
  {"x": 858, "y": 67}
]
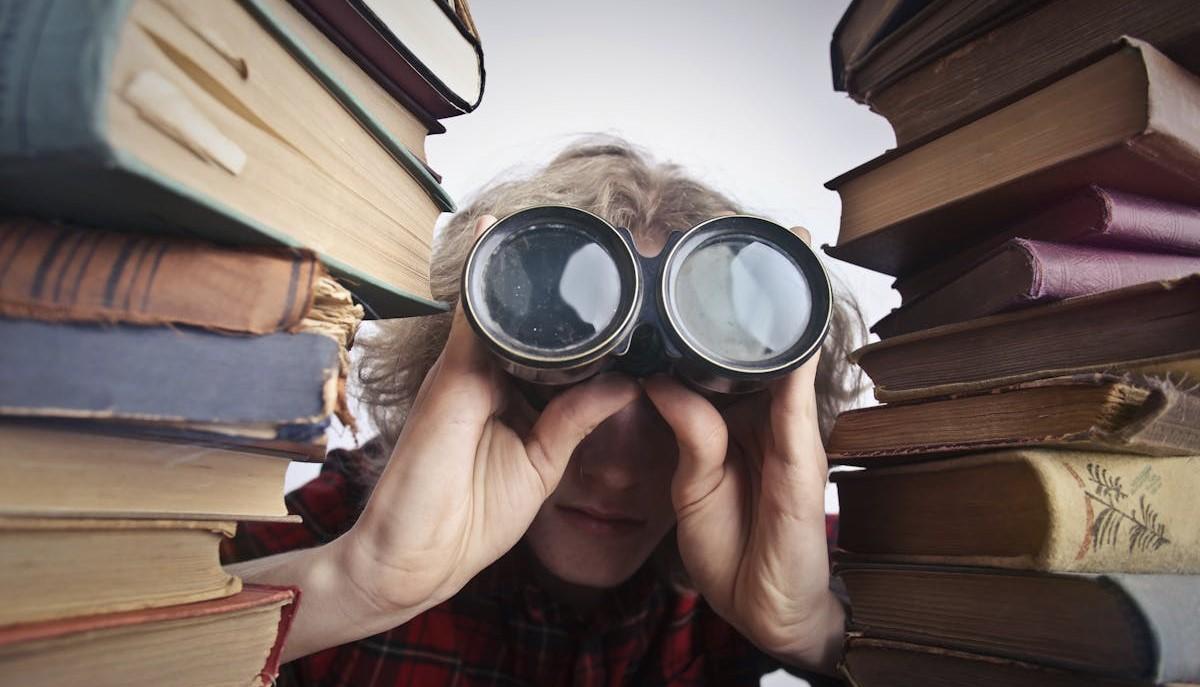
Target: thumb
[
  {"x": 570, "y": 417},
  {"x": 702, "y": 437}
]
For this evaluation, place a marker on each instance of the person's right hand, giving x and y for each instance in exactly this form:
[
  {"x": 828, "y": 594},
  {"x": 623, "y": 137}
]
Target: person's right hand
[{"x": 463, "y": 484}]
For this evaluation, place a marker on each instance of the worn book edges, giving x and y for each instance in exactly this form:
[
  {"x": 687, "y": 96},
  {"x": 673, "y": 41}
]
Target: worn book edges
[
  {"x": 864, "y": 24},
  {"x": 235, "y": 641},
  {"x": 1094, "y": 217},
  {"x": 885, "y": 663},
  {"x": 52, "y": 470},
  {"x": 1125, "y": 120},
  {"x": 1147, "y": 416},
  {"x": 60, "y": 567},
  {"x": 211, "y": 120},
  {"x": 1140, "y": 627},
  {"x": 944, "y": 88},
  {"x": 1149, "y": 328},
  {"x": 1030, "y": 509},
  {"x": 272, "y": 386},
  {"x": 1022, "y": 273},
  {"x": 425, "y": 53}
]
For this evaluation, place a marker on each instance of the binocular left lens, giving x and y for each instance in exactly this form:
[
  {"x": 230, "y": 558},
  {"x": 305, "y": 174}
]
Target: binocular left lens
[{"x": 557, "y": 293}]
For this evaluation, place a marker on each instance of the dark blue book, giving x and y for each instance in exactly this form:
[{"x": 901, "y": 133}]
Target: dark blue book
[{"x": 274, "y": 386}]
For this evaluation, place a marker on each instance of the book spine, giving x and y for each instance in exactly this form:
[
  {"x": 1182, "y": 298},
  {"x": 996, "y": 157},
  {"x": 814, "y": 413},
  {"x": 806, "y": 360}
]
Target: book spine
[
  {"x": 1143, "y": 223},
  {"x": 1027, "y": 272},
  {"x": 55, "y": 57},
  {"x": 1120, "y": 514}
]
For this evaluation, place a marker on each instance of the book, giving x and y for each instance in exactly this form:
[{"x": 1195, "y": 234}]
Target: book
[
  {"x": 871, "y": 662},
  {"x": 1148, "y": 328},
  {"x": 61, "y": 567},
  {"x": 1139, "y": 627},
  {"x": 210, "y": 120},
  {"x": 68, "y": 273},
  {"x": 1022, "y": 272},
  {"x": 1028, "y": 509},
  {"x": 935, "y": 28},
  {"x": 55, "y": 471},
  {"x": 424, "y": 52},
  {"x": 270, "y": 386},
  {"x": 409, "y": 125},
  {"x": 952, "y": 83},
  {"x": 234, "y": 641},
  {"x": 862, "y": 26},
  {"x": 1123, "y": 119},
  {"x": 1094, "y": 216},
  {"x": 1094, "y": 412}
]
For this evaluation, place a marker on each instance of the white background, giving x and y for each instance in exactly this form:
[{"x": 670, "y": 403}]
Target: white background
[{"x": 738, "y": 92}]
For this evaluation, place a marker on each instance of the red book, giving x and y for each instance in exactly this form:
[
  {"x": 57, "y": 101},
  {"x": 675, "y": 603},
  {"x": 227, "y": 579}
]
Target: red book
[
  {"x": 236, "y": 640},
  {"x": 1022, "y": 273},
  {"x": 1094, "y": 216}
]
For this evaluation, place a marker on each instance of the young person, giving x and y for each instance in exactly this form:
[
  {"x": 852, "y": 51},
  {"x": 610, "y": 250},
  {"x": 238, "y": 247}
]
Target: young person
[{"x": 629, "y": 533}]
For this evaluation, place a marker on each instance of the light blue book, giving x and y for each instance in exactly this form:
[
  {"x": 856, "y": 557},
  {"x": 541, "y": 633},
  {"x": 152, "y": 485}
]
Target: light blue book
[{"x": 208, "y": 119}]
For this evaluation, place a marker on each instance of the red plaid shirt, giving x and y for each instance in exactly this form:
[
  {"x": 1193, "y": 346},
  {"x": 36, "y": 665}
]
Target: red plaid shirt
[{"x": 501, "y": 629}]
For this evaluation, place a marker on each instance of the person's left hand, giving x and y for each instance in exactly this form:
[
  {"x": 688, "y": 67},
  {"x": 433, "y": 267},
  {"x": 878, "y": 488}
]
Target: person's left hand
[{"x": 749, "y": 497}]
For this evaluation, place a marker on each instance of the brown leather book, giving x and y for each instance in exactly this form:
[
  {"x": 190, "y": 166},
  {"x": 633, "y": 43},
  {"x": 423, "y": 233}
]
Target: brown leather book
[
  {"x": 955, "y": 82},
  {"x": 232, "y": 641},
  {"x": 1028, "y": 509},
  {"x": 1124, "y": 119},
  {"x": 58, "y": 272},
  {"x": 1094, "y": 412},
  {"x": 1149, "y": 328}
]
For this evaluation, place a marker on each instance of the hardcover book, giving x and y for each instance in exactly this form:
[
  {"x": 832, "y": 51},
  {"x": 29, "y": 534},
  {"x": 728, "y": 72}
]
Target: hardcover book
[
  {"x": 1094, "y": 412},
  {"x": 1125, "y": 119},
  {"x": 264, "y": 386},
  {"x": 1149, "y": 328},
  {"x": 61, "y": 567},
  {"x": 212, "y": 120},
  {"x": 885, "y": 663},
  {"x": 952, "y": 83},
  {"x": 55, "y": 471},
  {"x": 1094, "y": 216},
  {"x": 1022, "y": 273},
  {"x": 230, "y": 642},
  {"x": 1030, "y": 509},
  {"x": 1140, "y": 627}
]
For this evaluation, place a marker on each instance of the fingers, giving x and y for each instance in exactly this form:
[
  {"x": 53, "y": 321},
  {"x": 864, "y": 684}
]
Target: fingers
[
  {"x": 463, "y": 349},
  {"x": 794, "y": 419},
  {"x": 702, "y": 437},
  {"x": 570, "y": 417},
  {"x": 803, "y": 233}
]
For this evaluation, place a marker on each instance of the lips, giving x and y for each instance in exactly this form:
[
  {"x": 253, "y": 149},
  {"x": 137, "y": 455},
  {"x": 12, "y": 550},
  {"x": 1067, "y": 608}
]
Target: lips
[{"x": 596, "y": 521}]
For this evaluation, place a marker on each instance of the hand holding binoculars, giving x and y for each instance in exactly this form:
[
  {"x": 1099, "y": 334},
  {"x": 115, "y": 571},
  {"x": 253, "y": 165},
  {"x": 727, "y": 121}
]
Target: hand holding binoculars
[{"x": 558, "y": 294}]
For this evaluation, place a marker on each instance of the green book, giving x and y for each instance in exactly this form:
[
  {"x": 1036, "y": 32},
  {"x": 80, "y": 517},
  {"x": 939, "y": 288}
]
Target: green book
[{"x": 209, "y": 119}]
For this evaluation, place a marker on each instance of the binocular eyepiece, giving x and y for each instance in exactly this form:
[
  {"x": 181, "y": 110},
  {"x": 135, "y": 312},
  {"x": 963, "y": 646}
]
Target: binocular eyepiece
[{"x": 558, "y": 294}]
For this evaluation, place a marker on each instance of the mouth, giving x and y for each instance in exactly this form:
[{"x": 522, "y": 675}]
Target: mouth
[{"x": 596, "y": 521}]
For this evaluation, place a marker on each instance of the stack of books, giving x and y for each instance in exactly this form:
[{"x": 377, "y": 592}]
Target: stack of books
[
  {"x": 1025, "y": 511},
  {"x": 197, "y": 203}
]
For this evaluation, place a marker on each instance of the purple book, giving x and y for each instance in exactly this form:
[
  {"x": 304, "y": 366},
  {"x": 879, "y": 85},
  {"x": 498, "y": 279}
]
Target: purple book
[
  {"x": 1023, "y": 272},
  {"x": 1094, "y": 216}
]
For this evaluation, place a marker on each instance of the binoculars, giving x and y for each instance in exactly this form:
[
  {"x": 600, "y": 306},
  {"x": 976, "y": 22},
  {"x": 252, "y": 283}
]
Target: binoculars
[{"x": 558, "y": 294}]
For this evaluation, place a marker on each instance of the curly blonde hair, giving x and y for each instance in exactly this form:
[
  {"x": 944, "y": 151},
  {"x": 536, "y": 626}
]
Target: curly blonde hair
[{"x": 617, "y": 181}]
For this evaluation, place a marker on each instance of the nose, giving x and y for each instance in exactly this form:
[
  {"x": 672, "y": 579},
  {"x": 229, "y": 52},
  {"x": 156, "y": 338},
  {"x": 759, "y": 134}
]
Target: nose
[{"x": 625, "y": 449}]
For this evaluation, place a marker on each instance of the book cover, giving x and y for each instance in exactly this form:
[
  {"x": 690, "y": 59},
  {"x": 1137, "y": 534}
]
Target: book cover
[
  {"x": 1131, "y": 626},
  {"x": 1148, "y": 328},
  {"x": 1023, "y": 272},
  {"x": 1031, "y": 509},
  {"x": 173, "y": 645},
  {"x": 1094, "y": 216},
  {"x": 170, "y": 376},
  {"x": 1146, "y": 416},
  {"x": 1125, "y": 120}
]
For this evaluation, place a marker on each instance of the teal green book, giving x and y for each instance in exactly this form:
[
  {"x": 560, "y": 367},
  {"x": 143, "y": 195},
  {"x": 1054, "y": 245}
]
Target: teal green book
[{"x": 212, "y": 120}]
